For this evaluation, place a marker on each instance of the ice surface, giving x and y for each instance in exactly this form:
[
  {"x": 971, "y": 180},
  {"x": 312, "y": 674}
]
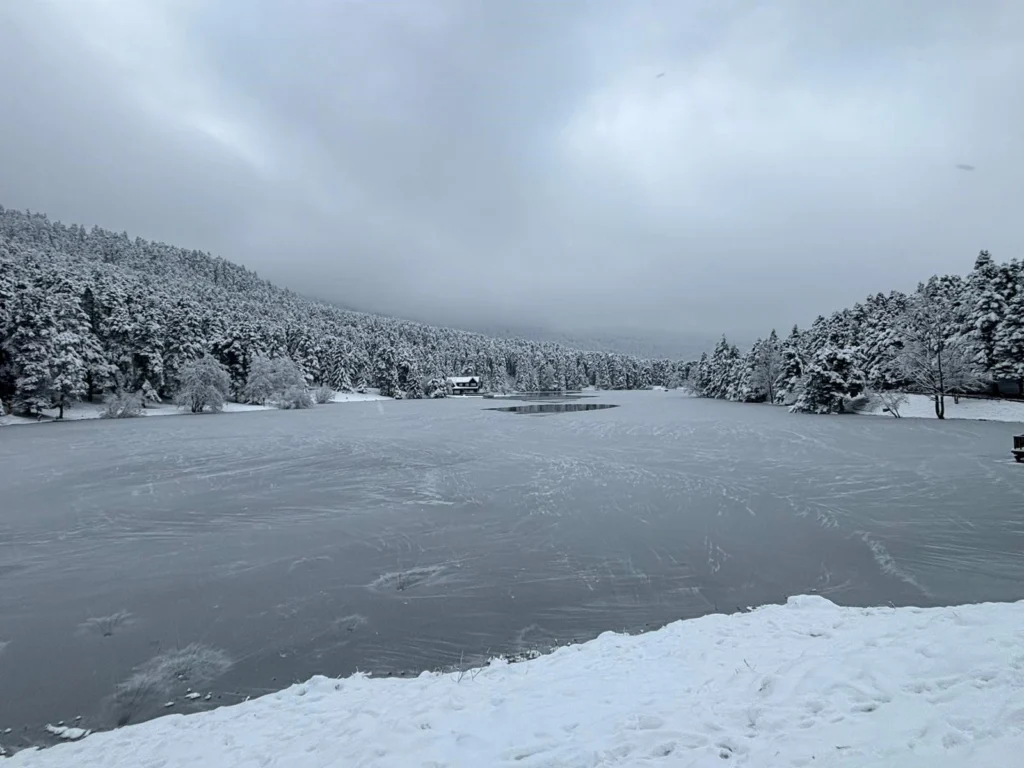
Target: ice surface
[
  {"x": 804, "y": 684},
  {"x": 402, "y": 536}
]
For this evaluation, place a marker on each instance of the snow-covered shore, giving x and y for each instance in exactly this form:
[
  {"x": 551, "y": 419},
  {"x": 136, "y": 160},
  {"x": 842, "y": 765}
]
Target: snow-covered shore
[
  {"x": 922, "y": 407},
  {"x": 81, "y": 411},
  {"x": 804, "y": 684}
]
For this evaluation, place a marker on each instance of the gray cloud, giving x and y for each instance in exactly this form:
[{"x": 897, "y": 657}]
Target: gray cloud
[{"x": 522, "y": 162}]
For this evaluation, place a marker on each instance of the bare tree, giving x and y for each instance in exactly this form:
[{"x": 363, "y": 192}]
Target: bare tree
[
  {"x": 891, "y": 402},
  {"x": 767, "y": 368},
  {"x": 936, "y": 359},
  {"x": 939, "y": 369}
]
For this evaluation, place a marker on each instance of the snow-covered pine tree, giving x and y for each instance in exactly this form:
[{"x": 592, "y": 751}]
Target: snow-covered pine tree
[
  {"x": 7, "y": 289},
  {"x": 616, "y": 376},
  {"x": 748, "y": 391},
  {"x": 1008, "y": 341},
  {"x": 546, "y": 378},
  {"x": 701, "y": 379},
  {"x": 435, "y": 388},
  {"x": 386, "y": 378},
  {"x": 67, "y": 371},
  {"x": 832, "y": 379},
  {"x": 336, "y": 363},
  {"x": 883, "y": 341},
  {"x": 149, "y": 393},
  {"x": 31, "y": 347},
  {"x": 789, "y": 382},
  {"x": 409, "y": 382},
  {"x": 987, "y": 307},
  {"x": 185, "y": 339},
  {"x": 725, "y": 372},
  {"x": 235, "y": 349},
  {"x": 526, "y": 377}
]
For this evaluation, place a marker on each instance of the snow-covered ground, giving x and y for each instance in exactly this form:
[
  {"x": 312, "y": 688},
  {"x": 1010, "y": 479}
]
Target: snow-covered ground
[
  {"x": 81, "y": 411},
  {"x": 93, "y": 410},
  {"x": 358, "y": 397},
  {"x": 922, "y": 407},
  {"x": 803, "y": 684}
]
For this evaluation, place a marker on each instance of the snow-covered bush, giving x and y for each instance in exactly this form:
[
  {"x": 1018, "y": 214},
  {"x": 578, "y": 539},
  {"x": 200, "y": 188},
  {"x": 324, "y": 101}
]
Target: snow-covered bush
[
  {"x": 123, "y": 405},
  {"x": 295, "y": 396},
  {"x": 149, "y": 393},
  {"x": 205, "y": 384},
  {"x": 858, "y": 403},
  {"x": 323, "y": 395},
  {"x": 891, "y": 402},
  {"x": 269, "y": 378}
]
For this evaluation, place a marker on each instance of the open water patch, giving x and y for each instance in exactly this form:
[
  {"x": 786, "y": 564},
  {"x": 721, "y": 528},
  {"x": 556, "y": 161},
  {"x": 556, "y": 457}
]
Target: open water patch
[{"x": 542, "y": 408}]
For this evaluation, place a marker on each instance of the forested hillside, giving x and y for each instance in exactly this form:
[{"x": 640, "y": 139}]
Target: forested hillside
[
  {"x": 952, "y": 335},
  {"x": 87, "y": 312}
]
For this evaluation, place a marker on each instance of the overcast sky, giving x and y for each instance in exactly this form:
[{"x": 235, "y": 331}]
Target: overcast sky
[{"x": 701, "y": 165}]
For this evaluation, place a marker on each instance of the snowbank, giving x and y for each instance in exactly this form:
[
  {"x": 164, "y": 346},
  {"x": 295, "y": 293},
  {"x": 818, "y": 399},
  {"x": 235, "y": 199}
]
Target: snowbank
[
  {"x": 805, "y": 684},
  {"x": 93, "y": 410},
  {"x": 80, "y": 411},
  {"x": 358, "y": 397},
  {"x": 922, "y": 407}
]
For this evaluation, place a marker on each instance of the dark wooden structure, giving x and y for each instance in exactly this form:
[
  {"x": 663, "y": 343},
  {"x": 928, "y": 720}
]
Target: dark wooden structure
[{"x": 1018, "y": 447}]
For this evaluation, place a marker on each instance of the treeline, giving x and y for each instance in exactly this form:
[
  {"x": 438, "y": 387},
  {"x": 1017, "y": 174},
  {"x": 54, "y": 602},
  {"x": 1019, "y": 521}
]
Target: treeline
[
  {"x": 952, "y": 335},
  {"x": 86, "y": 313}
]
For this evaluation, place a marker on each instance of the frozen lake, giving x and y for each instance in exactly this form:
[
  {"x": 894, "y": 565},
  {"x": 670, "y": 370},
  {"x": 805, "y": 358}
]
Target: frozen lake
[{"x": 399, "y": 536}]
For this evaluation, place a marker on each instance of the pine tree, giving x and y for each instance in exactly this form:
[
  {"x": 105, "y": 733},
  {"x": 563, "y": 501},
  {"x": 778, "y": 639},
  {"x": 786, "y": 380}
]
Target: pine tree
[
  {"x": 725, "y": 372},
  {"x": 547, "y": 381},
  {"x": 789, "y": 382},
  {"x": 409, "y": 380},
  {"x": 1008, "y": 339},
  {"x": 702, "y": 376},
  {"x": 386, "y": 378},
  {"x": 31, "y": 347},
  {"x": 67, "y": 371},
  {"x": 883, "y": 341},
  {"x": 988, "y": 308},
  {"x": 832, "y": 380}
]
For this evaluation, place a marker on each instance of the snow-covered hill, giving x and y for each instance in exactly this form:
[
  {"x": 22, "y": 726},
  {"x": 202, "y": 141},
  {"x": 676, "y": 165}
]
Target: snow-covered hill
[{"x": 84, "y": 312}]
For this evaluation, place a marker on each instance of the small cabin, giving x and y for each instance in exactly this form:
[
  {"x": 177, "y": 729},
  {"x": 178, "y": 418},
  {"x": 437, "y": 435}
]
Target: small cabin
[
  {"x": 464, "y": 385},
  {"x": 1018, "y": 447}
]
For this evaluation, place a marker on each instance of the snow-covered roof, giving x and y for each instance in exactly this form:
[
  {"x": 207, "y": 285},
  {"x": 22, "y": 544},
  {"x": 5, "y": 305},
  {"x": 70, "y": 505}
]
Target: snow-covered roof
[{"x": 463, "y": 379}]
